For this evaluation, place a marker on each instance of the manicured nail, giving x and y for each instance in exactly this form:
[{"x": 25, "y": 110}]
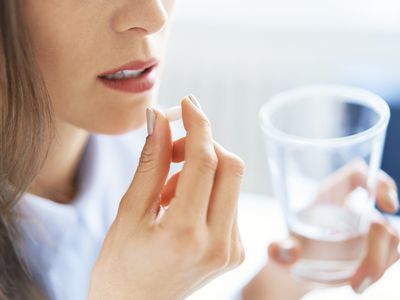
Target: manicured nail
[
  {"x": 286, "y": 251},
  {"x": 393, "y": 200},
  {"x": 151, "y": 119},
  {"x": 193, "y": 99},
  {"x": 366, "y": 283}
]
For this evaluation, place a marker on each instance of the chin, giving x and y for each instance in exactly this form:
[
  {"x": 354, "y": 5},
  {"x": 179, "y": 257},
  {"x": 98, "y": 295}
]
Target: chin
[
  {"x": 121, "y": 125},
  {"x": 113, "y": 118},
  {"x": 116, "y": 130},
  {"x": 111, "y": 122}
]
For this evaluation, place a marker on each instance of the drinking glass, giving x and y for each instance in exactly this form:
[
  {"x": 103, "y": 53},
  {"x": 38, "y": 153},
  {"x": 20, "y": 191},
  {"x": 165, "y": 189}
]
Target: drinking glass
[{"x": 324, "y": 146}]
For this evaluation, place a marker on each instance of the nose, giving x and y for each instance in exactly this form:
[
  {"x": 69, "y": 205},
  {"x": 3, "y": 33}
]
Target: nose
[{"x": 147, "y": 16}]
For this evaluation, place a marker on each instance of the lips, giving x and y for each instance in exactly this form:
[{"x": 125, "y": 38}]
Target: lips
[{"x": 135, "y": 77}]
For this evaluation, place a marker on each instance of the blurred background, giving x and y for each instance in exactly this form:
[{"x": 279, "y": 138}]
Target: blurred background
[{"x": 234, "y": 55}]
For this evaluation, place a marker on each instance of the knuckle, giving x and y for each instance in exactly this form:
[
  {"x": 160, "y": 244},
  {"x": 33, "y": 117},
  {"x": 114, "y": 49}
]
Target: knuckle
[
  {"x": 233, "y": 164},
  {"x": 218, "y": 260},
  {"x": 187, "y": 234},
  {"x": 238, "y": 255},
  {"x": 187, "y": 243},
  {"x": 207, "y": 160},
  {"x": 204, "y": 123},
  {"x": 218, "y": 256},
  {"x": 146, "y": 161}
]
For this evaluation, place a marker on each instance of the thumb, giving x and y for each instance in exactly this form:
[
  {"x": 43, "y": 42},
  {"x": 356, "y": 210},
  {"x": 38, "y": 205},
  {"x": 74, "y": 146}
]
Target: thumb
[
  {"x": 285, "y": 252},
  {"x": 142, "y": 196}
]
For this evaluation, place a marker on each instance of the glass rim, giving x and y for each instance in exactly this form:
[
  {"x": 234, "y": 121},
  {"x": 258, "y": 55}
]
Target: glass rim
[{"x": 358, "y": 95}]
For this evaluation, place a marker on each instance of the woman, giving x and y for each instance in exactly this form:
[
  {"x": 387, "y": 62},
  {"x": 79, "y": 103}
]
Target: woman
[{"x": 73, "y": 73}]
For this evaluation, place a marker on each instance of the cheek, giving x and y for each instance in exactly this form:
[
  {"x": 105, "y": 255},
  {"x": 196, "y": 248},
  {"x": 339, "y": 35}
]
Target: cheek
[
  {"x": 69, "y": 66},
  {"x": 57, "y": 42},
  {"x": 71, "y": 53},
  {"x": 60, "y": 52}
]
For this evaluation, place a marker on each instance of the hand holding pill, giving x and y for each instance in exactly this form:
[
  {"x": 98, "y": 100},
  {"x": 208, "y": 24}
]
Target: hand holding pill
[{"x": 197, "y": 238}]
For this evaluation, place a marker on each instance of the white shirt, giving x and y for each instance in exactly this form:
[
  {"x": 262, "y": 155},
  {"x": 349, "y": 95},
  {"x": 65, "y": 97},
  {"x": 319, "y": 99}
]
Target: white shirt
[{"x": 62, "y": 241}]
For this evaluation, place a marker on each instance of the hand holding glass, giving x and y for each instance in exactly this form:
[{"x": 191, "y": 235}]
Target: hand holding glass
[{"x": 324, "y": 147}]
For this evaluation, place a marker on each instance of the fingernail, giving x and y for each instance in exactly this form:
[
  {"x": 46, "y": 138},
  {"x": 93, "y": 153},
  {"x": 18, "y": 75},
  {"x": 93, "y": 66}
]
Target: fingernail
[
  {"x": 393, "y": 199},
  {"x": 193, "y": 99},
  {"x": 151, "y": 118},
  {"x": 364, "y": 285},
  {"x": 286, "y": 251}
]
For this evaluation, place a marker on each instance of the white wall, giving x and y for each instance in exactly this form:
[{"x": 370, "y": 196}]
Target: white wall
[
  {"x": 235, "y": 54},
  {"x": 381, "y": 15}
]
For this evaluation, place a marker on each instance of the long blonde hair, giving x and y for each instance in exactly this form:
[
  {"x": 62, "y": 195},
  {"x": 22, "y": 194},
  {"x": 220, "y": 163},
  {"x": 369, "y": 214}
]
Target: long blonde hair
[{"x": 26, "y": 131}]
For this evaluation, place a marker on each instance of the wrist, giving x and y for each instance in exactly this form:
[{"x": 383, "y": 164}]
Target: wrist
[{"x": 275, "y": 282}]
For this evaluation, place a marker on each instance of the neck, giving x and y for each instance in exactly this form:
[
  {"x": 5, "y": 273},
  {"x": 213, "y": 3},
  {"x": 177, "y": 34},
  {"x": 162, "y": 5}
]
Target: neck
[{"x": 57, "y": 178}]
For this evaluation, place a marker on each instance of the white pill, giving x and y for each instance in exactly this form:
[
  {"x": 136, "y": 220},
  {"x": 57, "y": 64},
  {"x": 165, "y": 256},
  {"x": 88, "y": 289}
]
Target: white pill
[{"x": 173, "y": 113}]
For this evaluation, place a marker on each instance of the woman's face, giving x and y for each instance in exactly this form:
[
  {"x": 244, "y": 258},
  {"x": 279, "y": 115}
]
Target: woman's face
[{"x": 76, "y": 43}]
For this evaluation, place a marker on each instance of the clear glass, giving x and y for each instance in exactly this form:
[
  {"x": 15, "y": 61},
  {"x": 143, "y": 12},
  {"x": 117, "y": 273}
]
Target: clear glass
[{"x": 324, "y": 146}]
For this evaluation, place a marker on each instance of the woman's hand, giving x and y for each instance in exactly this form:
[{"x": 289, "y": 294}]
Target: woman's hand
[
  {"x": 275, "y": 280},
  {"x": 382, "y": 242},
  {"x": 147, "y": 257}
]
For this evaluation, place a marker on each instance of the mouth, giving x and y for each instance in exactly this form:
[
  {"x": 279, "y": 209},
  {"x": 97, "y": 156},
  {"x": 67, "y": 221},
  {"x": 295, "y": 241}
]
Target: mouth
[
  {"x": 125, "y": 74},
  {"x": 135, "y": 77}
]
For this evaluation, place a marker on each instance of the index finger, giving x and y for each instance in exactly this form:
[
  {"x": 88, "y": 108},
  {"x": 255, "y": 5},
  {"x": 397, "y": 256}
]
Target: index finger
[{"x": 196, "y": 179}]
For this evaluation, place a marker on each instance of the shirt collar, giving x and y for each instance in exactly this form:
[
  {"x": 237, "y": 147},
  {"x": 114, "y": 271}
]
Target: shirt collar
[{"x": 43, "y": 219}]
